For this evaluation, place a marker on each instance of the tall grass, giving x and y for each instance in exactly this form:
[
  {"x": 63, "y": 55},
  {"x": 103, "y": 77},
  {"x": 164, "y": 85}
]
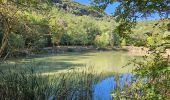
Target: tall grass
[{"x": 28, "y": 84}]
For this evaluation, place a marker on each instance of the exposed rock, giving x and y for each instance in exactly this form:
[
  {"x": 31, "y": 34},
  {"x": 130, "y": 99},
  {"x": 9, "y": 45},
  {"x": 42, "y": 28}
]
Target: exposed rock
[{"x": 77, "y": 8}]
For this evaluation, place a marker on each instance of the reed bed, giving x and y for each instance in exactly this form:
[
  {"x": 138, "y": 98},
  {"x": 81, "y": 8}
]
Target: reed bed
[{"x": 29, "y": 84}]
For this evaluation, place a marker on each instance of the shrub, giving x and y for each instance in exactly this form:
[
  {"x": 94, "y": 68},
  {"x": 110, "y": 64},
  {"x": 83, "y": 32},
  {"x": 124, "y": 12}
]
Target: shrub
[
  {"x": 102, "y": 41},
  {"x": 41, "y": 42},
  {"x": 57, "y": 28},
  {"x": 151, "y": 80},
  {"x": 150, "y": 41},
  {"x": 123, "y": 42},
  {"x": 16, "y": 41},
  {"x": 139, "y": 39},
  {"x": 116, "y": 39},
  {"x": 66, "y": 39}
]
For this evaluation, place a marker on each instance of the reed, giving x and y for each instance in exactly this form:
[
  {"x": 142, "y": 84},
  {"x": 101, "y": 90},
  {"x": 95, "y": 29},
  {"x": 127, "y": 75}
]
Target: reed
[{"x": 28, "y": 84}]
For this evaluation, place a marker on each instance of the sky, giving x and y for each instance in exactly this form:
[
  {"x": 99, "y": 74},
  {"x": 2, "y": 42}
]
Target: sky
[{"x": 111, "y": 8}]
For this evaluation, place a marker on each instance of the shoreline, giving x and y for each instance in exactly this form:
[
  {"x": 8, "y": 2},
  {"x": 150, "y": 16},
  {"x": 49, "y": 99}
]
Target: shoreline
[{"x": 131, "y": 50}]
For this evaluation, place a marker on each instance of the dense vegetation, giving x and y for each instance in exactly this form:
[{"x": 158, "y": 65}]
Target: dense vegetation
[
  {"x": 28, "y": 84},
  {"x": 153, "y": 74},
  {"x": 46, "y": 24},
  {"x": 32, "y": 25}
]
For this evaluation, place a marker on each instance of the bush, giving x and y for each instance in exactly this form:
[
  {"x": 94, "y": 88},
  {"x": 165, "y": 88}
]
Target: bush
[
  {"x": 137, "y": 39},
  {"x": 150, "y": 41},
  {"x": 102, "y": 41},
  {"x": 41, "y": 42},
  {"x": 123, "y": 42},
  {"x": 57, "y": 28},
  {"x": 16, "y": 41},
  {"x": 116, "y": 39},
  {"x": 151, "y": 80},
  {"x": 66, "y": 39}
]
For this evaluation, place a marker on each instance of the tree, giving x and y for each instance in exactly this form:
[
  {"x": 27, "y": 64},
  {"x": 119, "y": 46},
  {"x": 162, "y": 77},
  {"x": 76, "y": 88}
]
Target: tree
[
  {"x": 6, "y": 22},
  {"x": 153, "y": 73},
  {"x": 128, "y": 11},
  {"x": 58, "y": 28},
  {"x": 13, "y": 21}
]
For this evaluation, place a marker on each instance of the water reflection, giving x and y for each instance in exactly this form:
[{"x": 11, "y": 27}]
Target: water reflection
[{"x": 104, "y": 89}]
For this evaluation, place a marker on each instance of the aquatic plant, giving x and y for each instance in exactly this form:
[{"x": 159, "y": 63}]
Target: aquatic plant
[{"x": 28, "y": 84}]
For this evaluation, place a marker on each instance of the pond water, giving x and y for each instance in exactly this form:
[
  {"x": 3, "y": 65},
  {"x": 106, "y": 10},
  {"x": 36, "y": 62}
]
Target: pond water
[
  {"x": 104, "y": 89},
  {"x": 106, "y": 61}
]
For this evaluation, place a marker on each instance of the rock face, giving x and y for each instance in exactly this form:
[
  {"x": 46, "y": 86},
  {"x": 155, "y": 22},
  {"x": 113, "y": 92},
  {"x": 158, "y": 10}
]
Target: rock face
[
  {"x": 57, "y": 1},
  {"x": 77, "y": 8}
]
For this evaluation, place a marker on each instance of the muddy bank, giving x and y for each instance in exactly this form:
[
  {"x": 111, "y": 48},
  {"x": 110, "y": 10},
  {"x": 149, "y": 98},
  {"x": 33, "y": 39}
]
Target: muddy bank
[
  {"x": 142, "y": 51},
  {"x": 28, "y": 53},
  {"x": 137, "y": 51},
  {"x": 62, "y": 49},
  {"x": 131, "y": 50}
]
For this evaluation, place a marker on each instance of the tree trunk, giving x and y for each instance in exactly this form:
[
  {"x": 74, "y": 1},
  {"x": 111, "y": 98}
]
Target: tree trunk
[{"x": 4, "y": 43}]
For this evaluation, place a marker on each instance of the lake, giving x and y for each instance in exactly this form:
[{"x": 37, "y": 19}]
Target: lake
[
  {"x": 101, "y": 62},
  {"x": 104, "y": 89},
  {"x": 104, "y": 61}
]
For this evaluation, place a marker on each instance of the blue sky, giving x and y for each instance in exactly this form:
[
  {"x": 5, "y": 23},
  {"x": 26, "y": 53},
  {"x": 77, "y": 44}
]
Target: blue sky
[{"x": 111, "y": 8}]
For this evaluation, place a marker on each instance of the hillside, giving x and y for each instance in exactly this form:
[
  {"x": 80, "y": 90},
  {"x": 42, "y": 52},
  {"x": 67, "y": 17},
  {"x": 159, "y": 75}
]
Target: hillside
[
  {"x": 45, "y": 24},
  {"x": 77, "y": 8},
  {"x": 64, "y": 23},
  {"x": 149, "y": 31}
]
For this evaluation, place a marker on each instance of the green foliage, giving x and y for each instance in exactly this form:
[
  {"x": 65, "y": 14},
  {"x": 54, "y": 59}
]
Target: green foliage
[
  {"x": 40, "y": 43},
  {"x": 137, "y": 41},
  {"x": 102, "y": 41},
  {"x": 156, "y": 69},
  {"x": 153, "y": 74},
  {"x": 16, "y": 41},
  {"x": 39, "y": 27},
  {"x": 123, "y": 42},
  {"x": 151, "y": 41},
  {"x": 115, "y": 39},
  {"x": 35, "y": 24},
  {"x": 67, "y": 39},
  {"x": 166, "y": 37},
  {"x": 92, "y": 30},
  {"x": 57, "y": 28},
  {"x": 129, "y": 11},
  {"x": 151, "y": 80}
]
